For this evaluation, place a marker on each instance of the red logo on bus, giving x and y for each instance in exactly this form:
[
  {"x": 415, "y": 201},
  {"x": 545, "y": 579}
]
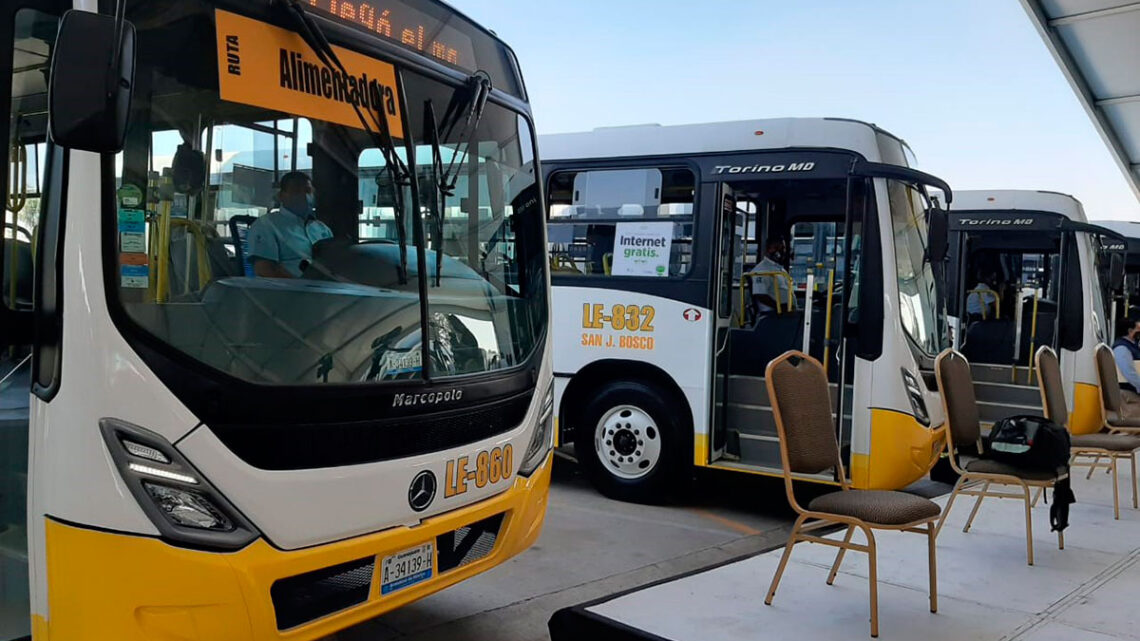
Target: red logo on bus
[{"x": 692, "y": 314}]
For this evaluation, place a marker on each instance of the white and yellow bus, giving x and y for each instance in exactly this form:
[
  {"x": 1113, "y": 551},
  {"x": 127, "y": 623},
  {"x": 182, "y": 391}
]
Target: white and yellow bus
[
  {"x": 661, "y": 321},
  {"x": 1124, "y": 295},
  {"x": 1025, "y": 271},
  {"x": 189, "y": 451}
]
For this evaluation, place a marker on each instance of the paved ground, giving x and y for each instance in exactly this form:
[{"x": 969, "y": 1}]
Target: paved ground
[
  {"x": 592, "y": 547},
  {"x": 986, "y": 591}
]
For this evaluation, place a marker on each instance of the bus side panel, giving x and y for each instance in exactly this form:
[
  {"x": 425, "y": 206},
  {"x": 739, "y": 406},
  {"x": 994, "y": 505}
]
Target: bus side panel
[
  {"x": 1083, "y": 396},
  {"x": 861, "y": 423},
  {"x": 889, "y": 447},
  {"x": 594, "y": 324}
]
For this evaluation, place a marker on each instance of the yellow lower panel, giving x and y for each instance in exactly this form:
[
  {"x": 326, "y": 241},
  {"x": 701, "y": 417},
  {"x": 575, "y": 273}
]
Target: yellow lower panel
[
  {"x": 701, "y": 449},
  {"x": 1087, "y": 416},
  {"x": 902, "y": 452},
  {"x": 120, "y": 587}
]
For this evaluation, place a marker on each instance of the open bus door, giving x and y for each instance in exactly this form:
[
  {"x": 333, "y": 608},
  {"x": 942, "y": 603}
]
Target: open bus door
[{"x": 731, "y": 229}]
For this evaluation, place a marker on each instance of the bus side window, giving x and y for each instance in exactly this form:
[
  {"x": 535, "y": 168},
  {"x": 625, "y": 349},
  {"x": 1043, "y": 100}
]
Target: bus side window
[
  {"x": 622, "y": 222},
  {"x": 25, "y": 154}
]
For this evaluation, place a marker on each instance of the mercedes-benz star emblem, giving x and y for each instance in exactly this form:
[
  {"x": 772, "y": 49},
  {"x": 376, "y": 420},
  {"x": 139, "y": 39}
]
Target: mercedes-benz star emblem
[{"x": 422, "y": 491}]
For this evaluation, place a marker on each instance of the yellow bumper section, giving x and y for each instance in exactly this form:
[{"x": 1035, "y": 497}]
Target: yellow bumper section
[
  {"x": 104, "y": 585},
  {"x": 902, "y": 452}
]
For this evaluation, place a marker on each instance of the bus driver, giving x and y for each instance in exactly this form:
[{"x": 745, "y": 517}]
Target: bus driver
[
  {"x": 771, "y": 280},
  {"x": 281, "y": 242}
]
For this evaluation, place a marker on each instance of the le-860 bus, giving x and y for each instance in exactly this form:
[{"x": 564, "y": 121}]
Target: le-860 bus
[
  {"x": 210, "y": 454},
  {"x": 658, "y": 237}
]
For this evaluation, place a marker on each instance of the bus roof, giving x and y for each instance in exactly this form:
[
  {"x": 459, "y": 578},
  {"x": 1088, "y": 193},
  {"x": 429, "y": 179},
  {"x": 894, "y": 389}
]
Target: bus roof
[
  {"x": 1019, "y": 200},
  {"x": 717, "y": 137},
  {"x": 1127, "y": 228}
]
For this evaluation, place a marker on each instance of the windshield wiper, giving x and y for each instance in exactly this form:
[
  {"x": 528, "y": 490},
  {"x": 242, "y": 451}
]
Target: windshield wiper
[
  {"x": 396, "y": 168},
  {"x": 467, "y": 104}
]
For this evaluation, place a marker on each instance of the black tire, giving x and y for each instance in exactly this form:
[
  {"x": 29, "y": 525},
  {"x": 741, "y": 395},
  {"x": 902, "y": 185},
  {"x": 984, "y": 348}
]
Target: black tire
[{"x": 672, "y": 465}]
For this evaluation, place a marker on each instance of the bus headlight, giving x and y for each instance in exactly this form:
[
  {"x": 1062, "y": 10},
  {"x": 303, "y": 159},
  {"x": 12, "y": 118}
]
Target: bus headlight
[
  {"x": 543, "y": 438},
  {"x": 916, "y": 397},
  {"x": 181, "y": 503}
]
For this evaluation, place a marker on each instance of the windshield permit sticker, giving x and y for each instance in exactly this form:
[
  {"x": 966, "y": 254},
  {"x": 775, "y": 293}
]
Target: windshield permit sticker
[
  {"x": 264, "y": 66},
  {"x": 397, "y": 363}
]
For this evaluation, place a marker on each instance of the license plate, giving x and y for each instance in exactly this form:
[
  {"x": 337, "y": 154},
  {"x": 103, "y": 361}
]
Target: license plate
[{"x": 407, "y": 567}]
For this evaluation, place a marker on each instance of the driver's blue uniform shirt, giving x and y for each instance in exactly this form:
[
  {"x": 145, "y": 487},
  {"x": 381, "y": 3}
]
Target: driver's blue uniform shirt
[{"x": 285, "y": 238}]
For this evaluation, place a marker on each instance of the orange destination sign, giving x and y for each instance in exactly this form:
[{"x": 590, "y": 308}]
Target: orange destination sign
[{"x": 264, "y": 66}]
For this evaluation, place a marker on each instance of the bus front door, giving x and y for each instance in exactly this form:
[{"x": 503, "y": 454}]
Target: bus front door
[
  {"x": 776, "y": 303},
  {"x": 729, "y": 269}
]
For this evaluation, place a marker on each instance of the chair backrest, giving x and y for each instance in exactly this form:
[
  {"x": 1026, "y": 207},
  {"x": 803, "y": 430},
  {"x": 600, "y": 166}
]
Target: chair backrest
[
  {"x": 1106, "y": 375},
  {"x": 801, "y": 403},
  {"x": 1051, "y": 385},
  {"x": 956, "y": 386}
]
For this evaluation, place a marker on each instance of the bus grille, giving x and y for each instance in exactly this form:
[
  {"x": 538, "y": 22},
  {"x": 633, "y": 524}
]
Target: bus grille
[
  {"x": 468, "y": 544},
  {"x": 309, "y": 446},
  {"x": 305, "y": 597}
]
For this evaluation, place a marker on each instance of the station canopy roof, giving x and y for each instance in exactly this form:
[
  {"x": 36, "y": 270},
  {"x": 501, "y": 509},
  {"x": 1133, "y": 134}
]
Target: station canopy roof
[{"x": 1097, "y": 45}]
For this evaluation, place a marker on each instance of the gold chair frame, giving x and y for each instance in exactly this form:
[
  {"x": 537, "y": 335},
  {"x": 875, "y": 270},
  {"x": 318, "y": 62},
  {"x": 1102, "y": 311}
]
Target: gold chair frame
[
  {"x": 809, "y": 520},
  {"x": 968, "y": 482}
]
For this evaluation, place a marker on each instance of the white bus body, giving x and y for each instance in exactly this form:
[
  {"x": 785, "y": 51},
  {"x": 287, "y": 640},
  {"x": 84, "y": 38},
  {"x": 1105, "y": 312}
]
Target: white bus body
[
  {"x": 208, "y": 454},
  {"x": 763, "y": 173},
  {"x": 1050, "y": 237}
]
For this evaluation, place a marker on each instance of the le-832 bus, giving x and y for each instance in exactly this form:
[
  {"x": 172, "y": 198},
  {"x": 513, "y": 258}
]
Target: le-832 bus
[
  {"x": 658, "y": 237},
  {"x": 192, "y": 451}
]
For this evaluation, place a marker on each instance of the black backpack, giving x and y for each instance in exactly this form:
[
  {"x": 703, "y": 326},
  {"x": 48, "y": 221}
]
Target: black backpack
[{"x": 1036, "y": 443}]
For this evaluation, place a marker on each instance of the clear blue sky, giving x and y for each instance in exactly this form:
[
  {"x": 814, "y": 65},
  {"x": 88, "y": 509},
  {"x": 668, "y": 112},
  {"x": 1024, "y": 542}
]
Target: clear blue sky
[{"x": 968, "y": 83}]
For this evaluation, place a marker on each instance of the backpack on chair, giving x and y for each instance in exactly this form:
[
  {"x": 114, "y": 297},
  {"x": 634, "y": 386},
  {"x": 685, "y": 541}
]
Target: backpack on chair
[{"x": 1036, "y": 443}]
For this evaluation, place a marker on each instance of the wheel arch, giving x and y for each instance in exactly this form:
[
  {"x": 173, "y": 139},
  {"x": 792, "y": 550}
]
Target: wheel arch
[{"x": 603, "y": 372}]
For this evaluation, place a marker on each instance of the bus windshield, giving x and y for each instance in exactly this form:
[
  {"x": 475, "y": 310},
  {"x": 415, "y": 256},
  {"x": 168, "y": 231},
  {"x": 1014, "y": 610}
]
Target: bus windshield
[
  {"x": 918, "y": 294},
  {"x": 263, "y": 231}
]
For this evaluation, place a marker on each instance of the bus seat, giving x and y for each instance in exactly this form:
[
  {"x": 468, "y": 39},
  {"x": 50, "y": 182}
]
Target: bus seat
[
  {"x": 771, "y": 335},
  {"x": 23, "y": 272},
  {"x": 187, "y": 239},
  {"x": 989, "y": 341},
  {"x": 239, "y": 233}
]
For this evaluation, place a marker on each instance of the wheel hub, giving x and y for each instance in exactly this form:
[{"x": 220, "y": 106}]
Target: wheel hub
[{"x": 627, "y": 442}]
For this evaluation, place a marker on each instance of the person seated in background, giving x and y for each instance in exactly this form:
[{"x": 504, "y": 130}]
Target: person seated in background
[
  {"x": 766, "y": 287},
  {"x": 982, "y": 304},
  {"x": 281, "y": 242},
  {"x": 1126, "y": 352}
]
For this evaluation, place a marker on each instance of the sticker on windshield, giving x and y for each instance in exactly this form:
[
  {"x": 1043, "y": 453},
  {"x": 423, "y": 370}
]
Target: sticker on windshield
[
  {"x": 264, "y": 66},
  {"x": 402, "y": 362},
  {"x": 134, "y": 268}
]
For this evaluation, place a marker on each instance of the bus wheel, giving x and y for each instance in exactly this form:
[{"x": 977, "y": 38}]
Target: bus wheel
[{"x": 634, "y": 451}]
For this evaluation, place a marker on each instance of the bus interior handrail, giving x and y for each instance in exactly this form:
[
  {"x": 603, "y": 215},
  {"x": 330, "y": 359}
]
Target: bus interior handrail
[
  {"x": 986, "y": 290},
  {"x": 746, "y": 279}
]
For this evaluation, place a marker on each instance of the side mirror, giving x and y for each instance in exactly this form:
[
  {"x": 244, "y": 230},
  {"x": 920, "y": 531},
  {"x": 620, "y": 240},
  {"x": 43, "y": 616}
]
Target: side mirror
[
  {"x": 1116, "y": 272},
  {"x": 938, "y": 242},
  {"x": 92, "y": 75}
]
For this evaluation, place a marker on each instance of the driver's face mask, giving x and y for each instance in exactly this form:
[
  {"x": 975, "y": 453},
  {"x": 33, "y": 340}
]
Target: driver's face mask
[{"x": 300, "y": 204}]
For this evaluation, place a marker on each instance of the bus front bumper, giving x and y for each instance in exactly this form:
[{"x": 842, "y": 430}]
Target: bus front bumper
[{"x": 107, "y": 585}]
